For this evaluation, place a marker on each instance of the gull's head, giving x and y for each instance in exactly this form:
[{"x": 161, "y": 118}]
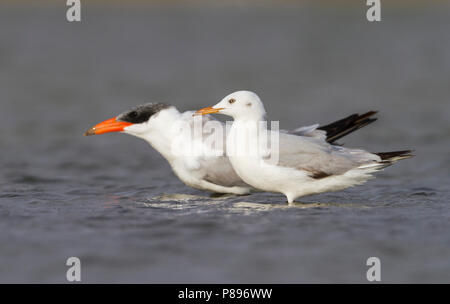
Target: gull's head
[
  {"x": 138, "y": 121},
  {"x": 239, "y": 105}
]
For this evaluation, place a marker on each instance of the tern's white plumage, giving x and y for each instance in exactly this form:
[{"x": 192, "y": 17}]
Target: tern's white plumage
[{"x": 160, "y": 125}]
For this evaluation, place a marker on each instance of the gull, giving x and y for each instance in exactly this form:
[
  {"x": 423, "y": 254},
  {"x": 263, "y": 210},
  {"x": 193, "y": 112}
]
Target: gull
[
  {"x": 160, "y": 125},
  {"x": 305, "y": 165}
]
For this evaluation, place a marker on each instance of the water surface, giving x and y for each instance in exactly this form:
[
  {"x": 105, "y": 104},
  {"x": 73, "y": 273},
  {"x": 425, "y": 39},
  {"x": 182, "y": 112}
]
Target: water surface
[{"x": 113, "y": 202}]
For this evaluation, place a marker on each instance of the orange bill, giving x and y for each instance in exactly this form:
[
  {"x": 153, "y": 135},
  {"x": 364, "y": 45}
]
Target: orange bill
[
  {"x": 108, "y": 126},
  {"x": 208, "y": 110}
]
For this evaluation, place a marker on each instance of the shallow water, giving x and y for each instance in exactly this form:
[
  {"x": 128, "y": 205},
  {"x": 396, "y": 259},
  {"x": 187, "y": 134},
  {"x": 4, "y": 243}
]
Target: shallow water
[{"x": 113, "y": 202}]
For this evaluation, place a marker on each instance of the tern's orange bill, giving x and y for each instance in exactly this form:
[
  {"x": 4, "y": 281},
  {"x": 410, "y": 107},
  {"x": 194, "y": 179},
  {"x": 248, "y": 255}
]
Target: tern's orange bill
[
  {"x": 208, "y": 110},
  {"x": 108, "y": 126}
]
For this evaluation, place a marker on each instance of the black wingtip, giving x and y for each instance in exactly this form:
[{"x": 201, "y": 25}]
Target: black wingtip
[
  {"x": 395, "y": 155},
  {"x": 345, "y": 126}
]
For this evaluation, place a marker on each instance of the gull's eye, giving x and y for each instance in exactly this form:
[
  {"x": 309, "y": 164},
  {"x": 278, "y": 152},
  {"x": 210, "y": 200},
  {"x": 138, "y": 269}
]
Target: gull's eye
[{"x": 232, "y": 100}]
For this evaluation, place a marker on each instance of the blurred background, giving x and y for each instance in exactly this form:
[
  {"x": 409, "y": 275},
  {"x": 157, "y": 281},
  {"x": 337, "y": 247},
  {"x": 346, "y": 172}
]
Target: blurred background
[{"x": 113, "y": 202}]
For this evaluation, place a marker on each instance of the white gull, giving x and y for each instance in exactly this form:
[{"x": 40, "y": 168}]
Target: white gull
[{"x": 305, "y": 164}]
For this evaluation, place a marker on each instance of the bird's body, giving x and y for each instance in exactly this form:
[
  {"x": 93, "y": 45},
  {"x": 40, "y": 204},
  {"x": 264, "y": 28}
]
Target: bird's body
[
  {"x": 304, "y": 164},
  {"x": 161, "y": 125},
  {"x": 198, "y": 168}
]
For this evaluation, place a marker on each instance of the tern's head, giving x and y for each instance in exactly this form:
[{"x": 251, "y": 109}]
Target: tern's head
[
  {"x": 138, "y": 121},
  {"x": 239, "y": 105}
]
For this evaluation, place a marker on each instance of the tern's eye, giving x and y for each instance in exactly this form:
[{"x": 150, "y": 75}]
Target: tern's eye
[
  {"x": 232, "y": 100},
  {"x": 133, "y": 114}
]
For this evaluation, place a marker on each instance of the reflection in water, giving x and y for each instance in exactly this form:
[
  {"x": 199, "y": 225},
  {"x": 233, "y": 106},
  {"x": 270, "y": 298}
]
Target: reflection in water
[
  {"x": 180, "y": 197},
  {"x": 112, "y": 201},
  {"x": 180, "y": 201}
]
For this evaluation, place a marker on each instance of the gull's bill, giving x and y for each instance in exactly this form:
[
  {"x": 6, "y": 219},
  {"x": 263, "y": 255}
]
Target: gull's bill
[{"x": 208, "y": 110}]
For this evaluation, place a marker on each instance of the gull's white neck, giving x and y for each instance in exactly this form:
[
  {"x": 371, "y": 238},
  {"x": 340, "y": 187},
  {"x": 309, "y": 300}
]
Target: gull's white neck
[
  {"x": 250, "y": 117},
  {"x": 243, "y": 141}
]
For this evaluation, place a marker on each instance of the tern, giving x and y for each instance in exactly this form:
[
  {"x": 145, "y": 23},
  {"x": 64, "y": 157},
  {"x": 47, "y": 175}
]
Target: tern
[{"x": 305, "y": 165}]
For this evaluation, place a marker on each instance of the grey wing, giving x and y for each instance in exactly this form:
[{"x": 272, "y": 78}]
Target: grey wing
[
  {"x": 220, "y": 171},
  {"x": 309, "y": 131},
  {"x": 316, "y": 156}
]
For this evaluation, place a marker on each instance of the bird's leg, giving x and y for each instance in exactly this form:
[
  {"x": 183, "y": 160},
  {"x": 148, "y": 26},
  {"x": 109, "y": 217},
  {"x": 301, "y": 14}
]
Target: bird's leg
[
  {"x": 290, "y": 198},
  {"x": 291, "y": 202}
]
